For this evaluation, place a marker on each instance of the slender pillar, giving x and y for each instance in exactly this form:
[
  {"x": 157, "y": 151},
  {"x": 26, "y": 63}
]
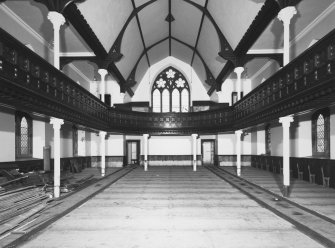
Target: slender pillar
[
  {"x": 286, "y": 122},
  {"x": 194, "y": 146},
  {"x": 103, "y": 73},
  {"x": 102, "y": 135},
  {"x": 145, "y": 150},
  {"x": 239, "y": 71},
  {"x": 285, "y": 15},
  {"x": 238, "y": 134},
  {"x": 57, "y": 20},
  {"x": 56, "y": 123}
]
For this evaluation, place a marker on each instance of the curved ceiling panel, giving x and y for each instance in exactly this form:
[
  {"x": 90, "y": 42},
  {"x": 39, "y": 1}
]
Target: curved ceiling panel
[
  {"x": 152, "y": 20},
  {"x": 209, "y": 46},
  {"x": 106, "y": 18},
  {"x": 159, "y": 52},
  {"x": 142, "y": 68},
  {"x": 200, "y": 70},
  {"x": 181, "y": 52},
  {"x": 131, "y": 48},
  {"x": 233, "y": 17},
  {"x": 186, "y": 25}
]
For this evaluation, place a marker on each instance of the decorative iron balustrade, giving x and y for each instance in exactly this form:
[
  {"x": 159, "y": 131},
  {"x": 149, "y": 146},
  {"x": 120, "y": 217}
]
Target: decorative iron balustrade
[{"x": 29, "y": 83}]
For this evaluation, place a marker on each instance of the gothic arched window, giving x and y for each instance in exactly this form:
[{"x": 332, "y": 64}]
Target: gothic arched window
[
  {"x": 320, "y": 133},
  {"x": 170, "y": 92},
  {"x": 23, "y": 136}
]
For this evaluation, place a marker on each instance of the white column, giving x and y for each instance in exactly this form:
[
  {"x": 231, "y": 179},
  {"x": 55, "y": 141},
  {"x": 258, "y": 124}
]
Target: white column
[
  {"x": 238, "y": 134},
  {"x": 285, "y": 15},
  {"x": 102, "y": 135},
  {"x": 56, "y": 123},
  {"x": 238, "y": 71},
  {"x": 286, "y": 122},
  {"x": 145, "y": 150},
  {"x": 103, "y": 73},
  {"x": 194, "y": 148},
  {"x": 57, "y": 20}
]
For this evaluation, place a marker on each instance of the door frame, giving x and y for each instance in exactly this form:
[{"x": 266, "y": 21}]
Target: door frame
[
  {"x": 138, "y": 150},
  {"x": 202, "y": 150}
]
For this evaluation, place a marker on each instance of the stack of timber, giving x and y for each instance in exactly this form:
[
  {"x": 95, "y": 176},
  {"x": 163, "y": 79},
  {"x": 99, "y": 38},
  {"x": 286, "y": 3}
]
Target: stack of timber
[
  {"x": 20, "y": 205},
  {"x": 25, "y": 196}
]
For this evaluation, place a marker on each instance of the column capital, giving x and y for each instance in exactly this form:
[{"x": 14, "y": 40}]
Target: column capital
[
  {"x": 103, "y": 73},
  {"x": 57, "y": 19},
  {"x": 56, "y": 122},
  {"x": 239, "y": 132},
  {"x": 285, "y": 15},
  {"x": 102, "y": 134},
  {"x": 286, "y": 120},
  {"x": 146, "y": 136},
  {"x": 239, "y": 70},
  {"x": 194, "y": 135}
]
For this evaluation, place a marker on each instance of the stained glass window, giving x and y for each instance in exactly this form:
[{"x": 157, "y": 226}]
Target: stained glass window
[
  {"x": 170, "y": 92},
  {"x": 320, "y": 133},
  {"x": 23, "y": 134}
]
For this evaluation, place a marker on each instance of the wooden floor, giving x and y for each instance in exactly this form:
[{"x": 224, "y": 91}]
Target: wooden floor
[
  {"x": 313, "y": 196},
  {"x": 171, "y": 207}
]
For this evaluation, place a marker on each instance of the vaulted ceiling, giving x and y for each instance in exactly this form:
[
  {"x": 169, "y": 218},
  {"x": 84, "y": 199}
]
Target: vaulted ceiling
[{"x": 128, "y": 36}]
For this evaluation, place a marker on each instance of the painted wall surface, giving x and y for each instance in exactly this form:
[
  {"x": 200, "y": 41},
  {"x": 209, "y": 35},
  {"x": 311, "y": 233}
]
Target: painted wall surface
[
  {"x": 115, "y": 145},
  {"x": 254, "y": 144},
  {"x": 226, "y": 144},
  {"x": 143, "y": 91},
  {"x": 332, "y": 133},
  {"x": 246, "y": 144},
  {"x": 81, "y": 143},
  {"x": 229, "y": 86},
  {"x": 166, "y": 145},
  {"x": 95, "y": 144},
  {"x": 301, "y": 137},
  {"x": 276, "y": 141},
  {"x": 66, "y": 148},
  {"x": 113, "y": 88},
  {"x": 7, "y": 137},
  {"x": 261, "y": 149},
  {"x": 88, "y": 143},
  {"x": 38, "y": 138}
]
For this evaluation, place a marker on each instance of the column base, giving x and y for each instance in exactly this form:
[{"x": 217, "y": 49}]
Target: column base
[
  {"x": 194, "y": 165},
  {"x": 286, "y": 191}
]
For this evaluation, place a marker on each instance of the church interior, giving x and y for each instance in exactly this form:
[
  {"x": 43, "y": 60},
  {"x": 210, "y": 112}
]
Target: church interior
[{"x": 167, "y": 123}]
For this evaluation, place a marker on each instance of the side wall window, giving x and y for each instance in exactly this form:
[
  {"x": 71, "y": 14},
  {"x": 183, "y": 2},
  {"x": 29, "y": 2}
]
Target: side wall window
[
  {"x": 23, "y": 135},
  {"x": 320, "y": 133}
]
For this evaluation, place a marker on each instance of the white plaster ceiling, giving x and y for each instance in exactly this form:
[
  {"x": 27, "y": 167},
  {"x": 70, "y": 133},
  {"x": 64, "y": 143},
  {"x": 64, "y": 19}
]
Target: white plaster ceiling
[
  {"x": 185, "y": 27},
  {"x": 152, "y": 19},
  {"x": 131, "y": 49},
  {"x": 181, "y": 52},
  {"x": 106, "y": 18},
  {"x": 159, "y": 52}
]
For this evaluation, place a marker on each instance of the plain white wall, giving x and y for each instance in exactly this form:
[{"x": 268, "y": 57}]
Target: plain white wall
[
  {"x": 170, "y": 145},
  {"x": 7, "y": 137},
  {"x": 115, "y": 145},
  {"x": 226, "y": 144}
]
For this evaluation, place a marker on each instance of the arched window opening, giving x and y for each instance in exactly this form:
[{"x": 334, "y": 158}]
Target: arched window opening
[
  {"x": 320, "y": 133},
  {"x": 23, "y": 136},
  {"x": 185, "y": 101},
  {"x": 170, "y": 92},
  {"x": 175, "y": 101},
  {"x": 156, "y": 101},
  {"x": 166, "y": 101}
]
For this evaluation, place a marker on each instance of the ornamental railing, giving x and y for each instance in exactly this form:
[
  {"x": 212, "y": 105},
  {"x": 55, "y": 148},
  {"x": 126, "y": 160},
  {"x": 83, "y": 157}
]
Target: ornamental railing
[
  {"x": 31, "y": 84},
  {"x": 294, "y": 87}
]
